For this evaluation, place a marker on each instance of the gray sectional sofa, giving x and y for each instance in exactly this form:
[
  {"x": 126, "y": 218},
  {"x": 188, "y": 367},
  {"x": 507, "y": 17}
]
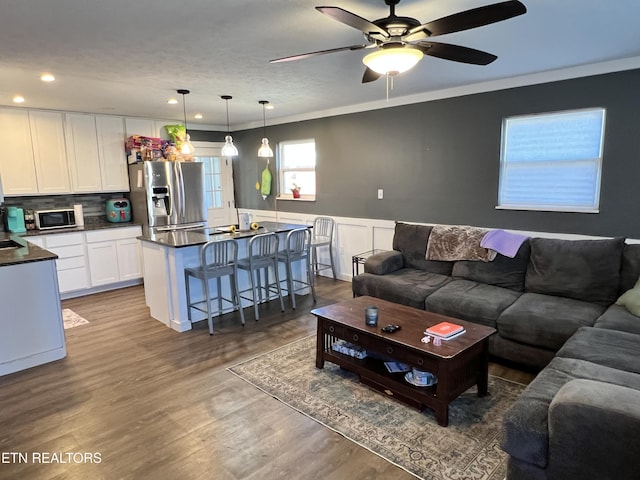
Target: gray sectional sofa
[{"x": 554, "y": 308}]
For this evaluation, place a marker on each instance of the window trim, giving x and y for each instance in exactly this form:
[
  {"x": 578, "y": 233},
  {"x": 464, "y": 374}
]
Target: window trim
[
  {"x": 280, "y": 171},
  {"x": 554, "y": 208}
]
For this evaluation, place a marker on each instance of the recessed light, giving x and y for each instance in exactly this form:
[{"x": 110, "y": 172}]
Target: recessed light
[
  {"x": 172, "y": 101},
  {"x": 269, "y": 106},
  {"x": 18, "y": 99},
  {"x": 198, "y": 116},
  {"x": 47, "y": 77}
]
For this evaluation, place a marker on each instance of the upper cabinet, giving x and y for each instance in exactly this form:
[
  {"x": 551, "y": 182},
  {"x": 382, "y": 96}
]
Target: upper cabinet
[
  {"x": 97, "y": 160},
  {"x": 16, "y": 162},
  {"x": 34, "y": 158},
  {"x": 113, "y": 161},
  {"x": 148, "y": 127},
  {"x": 49, "y": 152}
]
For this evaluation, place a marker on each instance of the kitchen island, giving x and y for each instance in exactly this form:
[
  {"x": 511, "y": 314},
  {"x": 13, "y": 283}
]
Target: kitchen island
[
  {"x": 166, "y": 255},
  {"x": 31, "y": 327}
]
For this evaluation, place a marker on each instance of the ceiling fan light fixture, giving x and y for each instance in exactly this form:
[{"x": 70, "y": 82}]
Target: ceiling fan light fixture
[
  {"x": 393, "y": 60},
  {"x": 265, "y": 150},
  {"x": 229, "y": 149}
]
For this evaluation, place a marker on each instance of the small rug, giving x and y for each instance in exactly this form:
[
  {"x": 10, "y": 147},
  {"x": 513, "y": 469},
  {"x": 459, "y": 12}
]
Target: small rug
[
  {"x": 72, "y": 319},
  {"x": 467, "y": 449}
]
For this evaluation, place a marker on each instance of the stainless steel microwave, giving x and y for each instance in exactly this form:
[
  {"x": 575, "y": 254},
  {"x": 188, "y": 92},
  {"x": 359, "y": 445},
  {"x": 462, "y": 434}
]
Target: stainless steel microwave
[{"x": 47, "y": 219}]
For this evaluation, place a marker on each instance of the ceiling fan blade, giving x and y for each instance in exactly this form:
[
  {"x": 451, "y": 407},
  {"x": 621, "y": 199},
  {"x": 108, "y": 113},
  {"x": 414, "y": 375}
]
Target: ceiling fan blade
[
  {"x": 319, "y": 52},
  {"x": 353, "y": 20},
  {"x": 476, "y": 17},
  {"x": 456, "y": 53},
  {"x": 370, "y": 76}
]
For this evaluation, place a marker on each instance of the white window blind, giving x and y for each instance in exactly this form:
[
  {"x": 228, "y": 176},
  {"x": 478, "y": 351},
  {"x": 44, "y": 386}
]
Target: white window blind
[{"x": 552, "y": 161}]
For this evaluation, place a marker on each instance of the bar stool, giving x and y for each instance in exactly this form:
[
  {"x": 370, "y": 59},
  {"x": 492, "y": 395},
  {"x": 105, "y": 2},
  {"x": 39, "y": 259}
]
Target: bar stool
[
  {"x": 217, "y": 259},
  {"x": 322, "y": 237},
  {"x": 297, "y": 249},
  {"x": 262, "y": 255}
]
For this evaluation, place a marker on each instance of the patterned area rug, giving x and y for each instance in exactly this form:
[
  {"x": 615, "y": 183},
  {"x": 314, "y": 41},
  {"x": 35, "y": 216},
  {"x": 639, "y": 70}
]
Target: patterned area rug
[
  {"x": 72, "y": 319},
  {"x": 467, "y": 449}
]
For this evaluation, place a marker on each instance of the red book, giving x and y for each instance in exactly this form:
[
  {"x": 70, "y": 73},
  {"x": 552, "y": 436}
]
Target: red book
[{"x": 445, "y": 329}]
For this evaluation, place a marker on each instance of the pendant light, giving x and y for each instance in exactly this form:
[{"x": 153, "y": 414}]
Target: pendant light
[
  {"x": 186, "y": 148},
  {"x": 264, "y": 150},
  {"x": 229, "y": 149}
]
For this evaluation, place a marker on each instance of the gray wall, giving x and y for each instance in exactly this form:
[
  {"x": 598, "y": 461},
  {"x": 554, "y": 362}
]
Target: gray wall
[{"x": 438, "y": 162}]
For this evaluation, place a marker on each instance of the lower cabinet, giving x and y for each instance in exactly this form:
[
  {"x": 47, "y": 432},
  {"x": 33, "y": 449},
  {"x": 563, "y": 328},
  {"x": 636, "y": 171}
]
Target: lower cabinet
[
  {"x": 114, "y": 255},
  {"x": 96, "y": 258}
]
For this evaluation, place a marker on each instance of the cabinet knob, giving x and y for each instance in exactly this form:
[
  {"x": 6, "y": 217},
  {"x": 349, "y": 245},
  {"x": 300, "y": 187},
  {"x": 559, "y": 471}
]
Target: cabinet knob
[
  {"x": 355, "y": 337},
  {"x": 332, "y": 329},
  {"x": 389, "y": 350},
  {"x": 420, "y": 361}
]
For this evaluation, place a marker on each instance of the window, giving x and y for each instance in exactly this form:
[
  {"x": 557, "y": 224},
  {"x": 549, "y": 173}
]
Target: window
[
  {"x": 212, "y": 181},
  {"x": 552, "y": 161},
  {"x": 297, "y": 168}
]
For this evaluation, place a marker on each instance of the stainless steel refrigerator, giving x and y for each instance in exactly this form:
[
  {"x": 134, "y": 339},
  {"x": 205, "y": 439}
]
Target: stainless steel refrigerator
[{"x": 168, "y": 195}]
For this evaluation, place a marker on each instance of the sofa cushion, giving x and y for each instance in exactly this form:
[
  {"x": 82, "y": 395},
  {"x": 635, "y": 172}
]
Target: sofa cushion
[
  {"x": 407, "y": 286},
  {"x": 472, "y": 301},
  {"x": 619, "y": 318},
  {"x": 526, "y": 432},
  {"x": 587, "y": 270},
  {"x": 620, "y": 350},
  {"x": 384, "y": 262},
  {"x": 546, "y": 321},
  {"x": 411, "y": 240},
  {"x": 502, "y": 272}
]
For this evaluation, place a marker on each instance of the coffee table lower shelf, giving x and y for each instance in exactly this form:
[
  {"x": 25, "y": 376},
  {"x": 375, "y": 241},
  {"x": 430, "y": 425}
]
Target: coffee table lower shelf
[{"x": 373, "y": 373}]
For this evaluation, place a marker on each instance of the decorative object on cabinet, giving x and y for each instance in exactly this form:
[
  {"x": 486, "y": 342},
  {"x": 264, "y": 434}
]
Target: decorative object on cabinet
[
  {"x": 265, "y": 150},
  {"x": 229, "y": 149}
]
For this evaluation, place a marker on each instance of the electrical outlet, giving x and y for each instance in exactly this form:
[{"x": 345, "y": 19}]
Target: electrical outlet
[{"x": 380, "y": 194}]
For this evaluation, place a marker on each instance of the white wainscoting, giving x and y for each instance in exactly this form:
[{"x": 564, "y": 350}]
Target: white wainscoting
[
  {"x": 351, "y": 236},
  {"x": 357, "y": 235}
]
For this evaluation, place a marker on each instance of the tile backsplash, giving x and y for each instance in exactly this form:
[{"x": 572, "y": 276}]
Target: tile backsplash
[{"x": 93, "y": 203}]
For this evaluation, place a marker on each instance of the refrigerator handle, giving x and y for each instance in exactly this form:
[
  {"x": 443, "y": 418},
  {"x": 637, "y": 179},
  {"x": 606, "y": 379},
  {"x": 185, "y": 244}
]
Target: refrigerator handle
[{"x": 181, "y": 187}]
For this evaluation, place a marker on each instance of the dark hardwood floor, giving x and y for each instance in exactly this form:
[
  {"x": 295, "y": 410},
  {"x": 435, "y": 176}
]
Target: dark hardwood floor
[{"x": 154, "y": 403}]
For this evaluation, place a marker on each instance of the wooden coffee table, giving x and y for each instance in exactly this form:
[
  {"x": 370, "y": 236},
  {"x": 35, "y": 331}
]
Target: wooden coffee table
[{"x": 458, "y": 363}]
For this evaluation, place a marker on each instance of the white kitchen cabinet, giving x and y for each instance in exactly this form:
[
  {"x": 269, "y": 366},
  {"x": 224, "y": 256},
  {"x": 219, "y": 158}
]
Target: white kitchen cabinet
[
  {"x": 103, "y": 263},
  {"x": 49, "y": 152},
  {"x": 141, "y": 126},
  {"x": 17, "y": 165},
  {"x": 82, "y": 149},
  {"x": 113, "y": 161},
  {"x": 95, "y": 145},
  {"x": 129, "y": 258},
  {"x": 114, "y": 255},
  {"x": 31, "y": 324},
  {"x": 71, "y": 264}
]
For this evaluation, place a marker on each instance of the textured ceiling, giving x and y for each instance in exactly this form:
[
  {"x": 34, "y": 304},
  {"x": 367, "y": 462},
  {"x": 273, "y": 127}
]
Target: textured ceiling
[{"x": 129, "y": 57}]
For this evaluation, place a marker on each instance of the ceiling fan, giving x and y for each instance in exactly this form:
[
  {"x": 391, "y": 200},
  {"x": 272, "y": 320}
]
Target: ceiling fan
[{"x": 401, "y": 42}]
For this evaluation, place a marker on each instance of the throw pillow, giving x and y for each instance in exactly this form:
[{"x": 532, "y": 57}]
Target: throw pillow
[{"x": 631, "y": 299}]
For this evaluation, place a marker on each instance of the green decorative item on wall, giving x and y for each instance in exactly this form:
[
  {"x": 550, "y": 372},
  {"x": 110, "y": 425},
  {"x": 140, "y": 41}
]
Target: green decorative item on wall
[{"x": 266, "y": 182}]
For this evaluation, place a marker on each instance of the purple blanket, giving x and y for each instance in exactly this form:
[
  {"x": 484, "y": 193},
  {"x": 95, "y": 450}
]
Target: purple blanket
[{"x": 505, "y": 243}]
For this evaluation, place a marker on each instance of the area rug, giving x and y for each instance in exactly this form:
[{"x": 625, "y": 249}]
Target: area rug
[
  {"x": 72, "y": 319},
  {"x": 467, "y": 449}
]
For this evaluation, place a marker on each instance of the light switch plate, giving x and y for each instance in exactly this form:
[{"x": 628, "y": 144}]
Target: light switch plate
[{"x": 380, "y": 194}]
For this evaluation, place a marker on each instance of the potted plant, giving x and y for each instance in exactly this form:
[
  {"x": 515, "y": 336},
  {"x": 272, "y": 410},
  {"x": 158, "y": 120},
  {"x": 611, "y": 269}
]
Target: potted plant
[{"x": 295, "y": 190}]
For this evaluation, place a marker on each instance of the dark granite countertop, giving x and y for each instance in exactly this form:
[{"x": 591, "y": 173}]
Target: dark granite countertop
[
  {"x": 26, "y": 252},
  {"x": 200, "y": 236}
]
